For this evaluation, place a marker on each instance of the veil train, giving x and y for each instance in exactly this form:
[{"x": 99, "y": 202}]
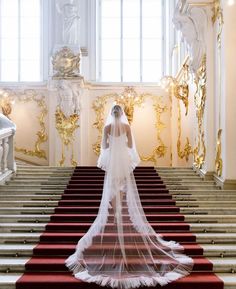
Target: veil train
[{"x": 121, "y": 249}]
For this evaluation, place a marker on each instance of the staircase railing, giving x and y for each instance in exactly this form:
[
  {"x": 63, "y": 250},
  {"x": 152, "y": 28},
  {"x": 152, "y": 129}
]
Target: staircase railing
[{"x": 7, "y": 160}]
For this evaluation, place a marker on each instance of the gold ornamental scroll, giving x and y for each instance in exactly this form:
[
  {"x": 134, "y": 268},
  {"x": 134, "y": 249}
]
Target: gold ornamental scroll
[{"x": 129, "y": 103}]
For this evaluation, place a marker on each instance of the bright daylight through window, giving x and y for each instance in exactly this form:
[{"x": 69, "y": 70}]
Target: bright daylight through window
[
  {"x": 20, "y": 40},
  {"x": 131, "y": 40}
]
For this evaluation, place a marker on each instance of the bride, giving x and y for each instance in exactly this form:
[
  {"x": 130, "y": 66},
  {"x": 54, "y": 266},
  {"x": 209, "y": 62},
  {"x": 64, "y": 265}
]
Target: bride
[{"x": 121, "y": 249}]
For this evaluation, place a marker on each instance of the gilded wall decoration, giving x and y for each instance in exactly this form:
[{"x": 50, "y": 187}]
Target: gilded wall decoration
[
  {"x": 66, "y": 127},
  {"x": 129, "y": 99},
  {"x": 7, "y": 101},
  {"x": 178, "y": 86},
  {"x": 26, "y": 97},
  {"x": 159, "y": 108},
  {"x": 218, "y": 160},
  {"x": 218, "y": 15},
  {"x": 200, "y": 100},
  {"x": 66, "y": 64},
  {"x": 187, "y": 150},
  {"x": 160, "y": 150}
]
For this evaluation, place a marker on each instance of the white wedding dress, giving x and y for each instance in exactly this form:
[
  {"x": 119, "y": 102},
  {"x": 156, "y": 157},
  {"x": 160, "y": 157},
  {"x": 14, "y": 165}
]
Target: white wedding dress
[{"x": 121, "y": 249}]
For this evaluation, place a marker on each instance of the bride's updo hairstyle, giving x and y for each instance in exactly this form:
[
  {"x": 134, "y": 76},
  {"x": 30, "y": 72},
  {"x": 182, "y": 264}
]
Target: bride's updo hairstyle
[{"x": 116, "y": 111}]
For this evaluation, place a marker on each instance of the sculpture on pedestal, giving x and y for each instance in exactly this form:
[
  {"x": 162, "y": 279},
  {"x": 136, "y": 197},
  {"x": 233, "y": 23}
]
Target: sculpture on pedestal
[
  {"x": 69, "y": 14},
  {"x": 192, "y": 25}
]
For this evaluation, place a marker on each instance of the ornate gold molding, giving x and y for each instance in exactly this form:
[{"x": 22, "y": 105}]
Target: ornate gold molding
[
  {"x": 178, "y": 86},
  {"x": 187, "y": 151},
  {"x": 160, "y": 150},
  {"x": 28, "y": 96},
  {"x": 66, "y": 64},
  {"x": 66, "y": 127},
  {"x": 99, "y": 108},
  {"x": 200, "y": 100},
  {"x": 218, "y": 15},
  {"x": 218, "y": 160}
]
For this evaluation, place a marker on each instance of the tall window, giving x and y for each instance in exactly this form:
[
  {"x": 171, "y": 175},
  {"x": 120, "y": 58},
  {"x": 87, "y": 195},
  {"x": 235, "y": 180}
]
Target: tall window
[
  {"x": 20, "y": 40},
  {"x": 131, "y": 40}
]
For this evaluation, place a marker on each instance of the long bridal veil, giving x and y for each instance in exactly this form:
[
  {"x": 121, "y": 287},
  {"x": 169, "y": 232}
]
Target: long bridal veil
[{"x": 121, "y": 249}]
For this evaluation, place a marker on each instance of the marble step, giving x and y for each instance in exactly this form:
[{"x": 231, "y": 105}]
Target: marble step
[
  {"x": 17, "y": 250},
  {"x": 229, "y": 280},
  {"x": 46, "y": 202},
  {"x": 17, "y": 204},
  {"x": 22, "y": 198},
  {"x": 34, "y": 186},
  {"x": 219, "y": 250},
  {"x": 25, "y": 210},
  {"x": 35, "y": 218},
  {"x": 191, "y": 187},
  {"x": 186, "y": 211},
  {"x": 209, "y": 210},
  {"x": 195, "y": 228},
  {"x": 17, "y": 264},
  {"x": 13, "y": 191},
  {"x": 198, "y": 218},
  {"x": 22, "y": 227},
  {"x": 205, "y": 203},
  {"x": 19, "y": 238}
]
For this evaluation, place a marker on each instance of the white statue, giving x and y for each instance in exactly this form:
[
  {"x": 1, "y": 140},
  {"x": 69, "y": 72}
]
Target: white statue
[
  {"x": 193, "y": 29},
  {"x": 70, "y": 21},
  {"x": 6, "y": 122},
  {"x": 69, "y": 98}
]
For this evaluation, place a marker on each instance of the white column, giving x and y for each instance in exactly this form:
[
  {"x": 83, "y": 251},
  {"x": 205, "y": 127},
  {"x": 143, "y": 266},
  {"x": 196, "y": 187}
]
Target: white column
[{"x": 228, "y": 107}]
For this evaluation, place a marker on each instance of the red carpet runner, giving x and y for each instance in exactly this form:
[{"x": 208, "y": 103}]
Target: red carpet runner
[{"x": 76, "y": 211}]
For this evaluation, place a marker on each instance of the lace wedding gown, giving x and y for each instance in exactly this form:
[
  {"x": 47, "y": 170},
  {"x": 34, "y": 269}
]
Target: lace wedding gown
[{"x": 121, "y": 249}]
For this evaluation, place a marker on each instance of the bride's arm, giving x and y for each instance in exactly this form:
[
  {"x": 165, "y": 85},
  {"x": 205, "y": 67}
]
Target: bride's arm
[
  {"x": 129, "y": 137},
  {"x": 105, "y": 143}
]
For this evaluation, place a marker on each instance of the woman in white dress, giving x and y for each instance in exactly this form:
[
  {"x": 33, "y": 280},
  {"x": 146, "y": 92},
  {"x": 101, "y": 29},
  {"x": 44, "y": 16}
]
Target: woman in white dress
[{"x": 121, "y": 249}]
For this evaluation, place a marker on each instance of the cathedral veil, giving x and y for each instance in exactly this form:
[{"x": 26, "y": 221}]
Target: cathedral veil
[{"x": 121, "y": 249}]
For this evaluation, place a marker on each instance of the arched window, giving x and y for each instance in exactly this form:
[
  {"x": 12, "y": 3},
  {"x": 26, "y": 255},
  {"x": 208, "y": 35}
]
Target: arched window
[
  {"x": 131, "y": 40},
  {"x": 20, "y": 40}
]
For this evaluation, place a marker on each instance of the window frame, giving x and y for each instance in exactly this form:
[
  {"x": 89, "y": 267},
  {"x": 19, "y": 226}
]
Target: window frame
[
  {"x": 44, "y": 49},
  {"x": 99, "y": 45}
]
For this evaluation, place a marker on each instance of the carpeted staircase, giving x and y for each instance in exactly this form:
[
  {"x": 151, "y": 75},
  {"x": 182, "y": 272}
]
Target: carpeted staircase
[{"x": 77, "y": 210}]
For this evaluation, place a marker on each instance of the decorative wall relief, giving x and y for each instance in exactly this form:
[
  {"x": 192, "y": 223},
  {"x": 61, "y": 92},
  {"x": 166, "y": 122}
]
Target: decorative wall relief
[
  {"x": 187, "y": 150},
  {"x": 66, "y": 63},
  {"x": 129, "y": 99},
  {"x": 67, "y": 117},
  {"x": 7, "y": 100},
  {"x": 178, "y": 87},
  {"x": 200, "y": 100},
  {"x": 160, "y": 149},
  {"x": 26, "y": 97},
  {"x": 218, "y": 159},
  {"x": 219, "y": 19}
]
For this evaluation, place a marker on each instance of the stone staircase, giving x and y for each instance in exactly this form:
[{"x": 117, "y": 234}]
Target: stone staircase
[
  {"x": 28, "y": 200},
  {"x": 26, "y": 203},
  {"x": 211, "y": 213}
]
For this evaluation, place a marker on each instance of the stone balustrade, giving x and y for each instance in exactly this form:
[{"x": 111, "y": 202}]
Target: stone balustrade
[{"x": 7, "y": 161}]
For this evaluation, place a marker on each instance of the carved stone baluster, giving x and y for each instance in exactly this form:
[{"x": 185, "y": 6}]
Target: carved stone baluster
[
  {"x": 1, "y": 156},
  {"x": 5, "y": 154}
]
